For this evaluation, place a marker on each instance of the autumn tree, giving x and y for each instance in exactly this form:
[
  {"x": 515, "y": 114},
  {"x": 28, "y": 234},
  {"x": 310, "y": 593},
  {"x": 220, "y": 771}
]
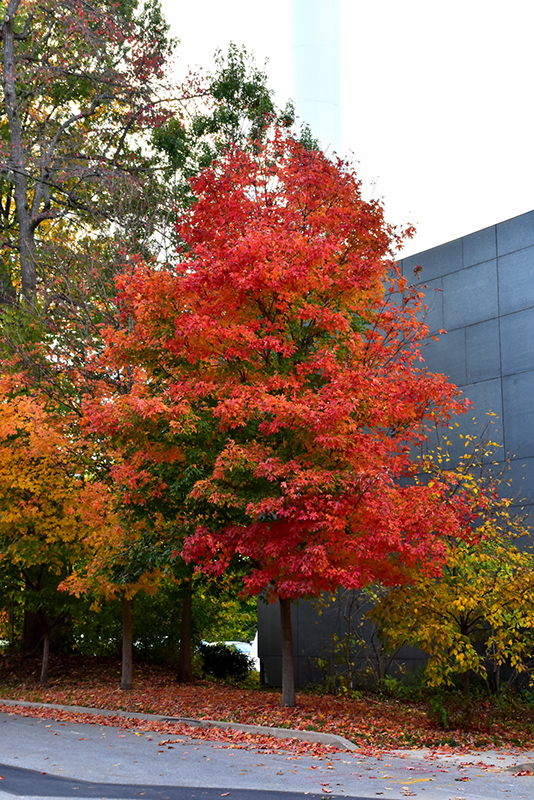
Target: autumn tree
[
  {"x": 96, "y": 147},
  {"x": 236, "y": 108},
  {"x": 477, "y": 615},
  {"x": 80, "y": 82},
  {"x": 95, "y": 155},
  {"x": 43, "y": 498},
  {"x": 276, "y": 347},
  {"x": 119, "y": 561},
  {"x": 83, "y": 88}
]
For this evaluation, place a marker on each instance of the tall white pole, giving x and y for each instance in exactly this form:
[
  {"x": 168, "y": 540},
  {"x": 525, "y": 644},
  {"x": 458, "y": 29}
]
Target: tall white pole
[{"x": 316, "y": 69}]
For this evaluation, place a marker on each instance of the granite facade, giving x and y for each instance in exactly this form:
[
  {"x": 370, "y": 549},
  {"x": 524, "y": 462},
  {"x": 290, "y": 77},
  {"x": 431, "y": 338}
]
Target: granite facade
[{"x": 486, "y": 284}]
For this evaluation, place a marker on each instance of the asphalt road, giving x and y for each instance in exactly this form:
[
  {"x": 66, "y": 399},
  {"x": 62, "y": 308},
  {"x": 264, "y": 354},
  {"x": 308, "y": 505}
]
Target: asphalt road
[
  {"x": 41, "y": 758},
  {"x": 30, "y": 783}
]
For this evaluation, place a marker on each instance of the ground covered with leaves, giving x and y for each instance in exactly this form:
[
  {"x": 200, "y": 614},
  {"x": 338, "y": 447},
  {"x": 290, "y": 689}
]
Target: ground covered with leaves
[{"x": 372, "y": 722}]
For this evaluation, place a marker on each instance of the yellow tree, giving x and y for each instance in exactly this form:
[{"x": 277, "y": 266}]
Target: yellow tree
[
  {"x": 62, "y": 530},
  {"x": 477, "y": 615},
  {"x": 41, "y": 504}
]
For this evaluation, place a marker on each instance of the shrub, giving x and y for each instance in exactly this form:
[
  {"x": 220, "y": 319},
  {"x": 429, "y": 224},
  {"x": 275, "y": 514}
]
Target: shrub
[{"x": 225, "y": 661}]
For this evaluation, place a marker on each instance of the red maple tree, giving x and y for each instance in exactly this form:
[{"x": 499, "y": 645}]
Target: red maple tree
[{"x": 289, "y": 344}]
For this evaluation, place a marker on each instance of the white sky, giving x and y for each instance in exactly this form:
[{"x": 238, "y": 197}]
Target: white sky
[{"x": 437, "y": 98}]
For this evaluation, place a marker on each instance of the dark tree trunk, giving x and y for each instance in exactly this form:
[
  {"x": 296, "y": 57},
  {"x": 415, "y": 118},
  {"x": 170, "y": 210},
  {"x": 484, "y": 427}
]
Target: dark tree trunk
[
  {"x": 33, "y": 623},
  {"x": 12, "y": 623},
  {"x": 288, "y": 671},
  {"x": 466, "y": 685},
  {"x": 184, "y": 672},
  {"x": 127, "y": 662},
  {"x": 32, "y": 632},
  {"x": 46, "y": 655}
]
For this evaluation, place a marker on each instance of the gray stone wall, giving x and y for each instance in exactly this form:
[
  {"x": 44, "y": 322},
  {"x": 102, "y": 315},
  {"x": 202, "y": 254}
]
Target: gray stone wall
[
  {"x": 480, "y": 289},
  {"x": 319, "y": 642}
]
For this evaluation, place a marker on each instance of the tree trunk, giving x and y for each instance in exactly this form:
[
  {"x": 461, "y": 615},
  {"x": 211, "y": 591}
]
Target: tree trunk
[
  {"x": 288, "y": 671},
  {"x": 17, "y": 161},
  {"x": 32, "y": 632},
  {"x": 184, "y": 673},
  {"x": 12, "y": 623},
  {"x": 46, "y": 655},
  {"x": 127, "y": 663},
  {"x": 466, "y": 685}
]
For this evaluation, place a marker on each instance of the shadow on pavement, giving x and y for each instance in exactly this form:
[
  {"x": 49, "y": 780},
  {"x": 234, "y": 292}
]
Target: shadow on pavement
[{"x": 30, "y": 783}]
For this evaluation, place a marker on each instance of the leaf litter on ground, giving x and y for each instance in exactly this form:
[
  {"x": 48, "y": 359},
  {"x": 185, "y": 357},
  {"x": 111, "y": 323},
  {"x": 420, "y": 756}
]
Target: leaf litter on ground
[{"x": 373, "y": 723}]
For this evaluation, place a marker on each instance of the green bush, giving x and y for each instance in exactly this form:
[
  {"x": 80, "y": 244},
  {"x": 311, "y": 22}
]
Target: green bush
[{"x": 225, "y": 661}]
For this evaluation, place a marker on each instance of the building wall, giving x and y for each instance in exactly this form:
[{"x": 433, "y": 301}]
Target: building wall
[
  {"x": 319, "y": 641},
  {"x": 480, "y": 289}
]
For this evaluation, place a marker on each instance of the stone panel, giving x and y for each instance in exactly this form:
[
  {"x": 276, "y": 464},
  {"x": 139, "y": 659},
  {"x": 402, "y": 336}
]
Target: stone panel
[
  {"x": 517, "y": 342},
  {"x": 520, "y": 473},
  {"x": 482, "y": 349},
  {"x": 470, "y": 296},
  {"x": 433, "y": 316},
  {"x": 270, "y": 666},
  {"x": 447, "y": 355},
  {"x": 435, "y": 262},
  {"x": 313, "y": 639},
  {"x": 269, "y": 636},
  {"x": 515, "y": 233},
  {"x": 480, "y": 246},
  {"x": 516, "y": 281},
  {"x": 308, "y": 623},
  {"x": 518, "y": 394},
  {"x": 485, "y": 397}
]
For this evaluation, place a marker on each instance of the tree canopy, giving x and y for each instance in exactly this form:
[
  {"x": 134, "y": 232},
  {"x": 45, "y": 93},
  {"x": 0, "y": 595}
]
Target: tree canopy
[{"x": 285, "y": 346}]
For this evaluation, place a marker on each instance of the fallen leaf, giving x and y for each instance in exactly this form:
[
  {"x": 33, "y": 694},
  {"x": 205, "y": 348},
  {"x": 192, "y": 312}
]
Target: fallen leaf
[{"x": 374, "y": 725}]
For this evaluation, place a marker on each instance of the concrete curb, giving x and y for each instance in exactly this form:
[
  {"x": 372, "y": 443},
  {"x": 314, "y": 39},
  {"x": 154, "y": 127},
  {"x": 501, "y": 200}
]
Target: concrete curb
[{"x": 278, "y": 733}]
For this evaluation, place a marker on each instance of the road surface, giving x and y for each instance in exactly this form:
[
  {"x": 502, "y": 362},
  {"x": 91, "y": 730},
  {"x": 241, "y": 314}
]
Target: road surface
[{"x": 40, "y": 758}]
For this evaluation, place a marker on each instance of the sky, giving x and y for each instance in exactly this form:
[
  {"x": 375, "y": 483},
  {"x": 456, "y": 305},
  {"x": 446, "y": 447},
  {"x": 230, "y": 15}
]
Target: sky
[{"x": 437, "y": 106}]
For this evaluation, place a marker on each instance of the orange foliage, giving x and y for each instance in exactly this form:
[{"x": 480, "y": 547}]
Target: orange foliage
[{"x": 287, "y": 332}]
